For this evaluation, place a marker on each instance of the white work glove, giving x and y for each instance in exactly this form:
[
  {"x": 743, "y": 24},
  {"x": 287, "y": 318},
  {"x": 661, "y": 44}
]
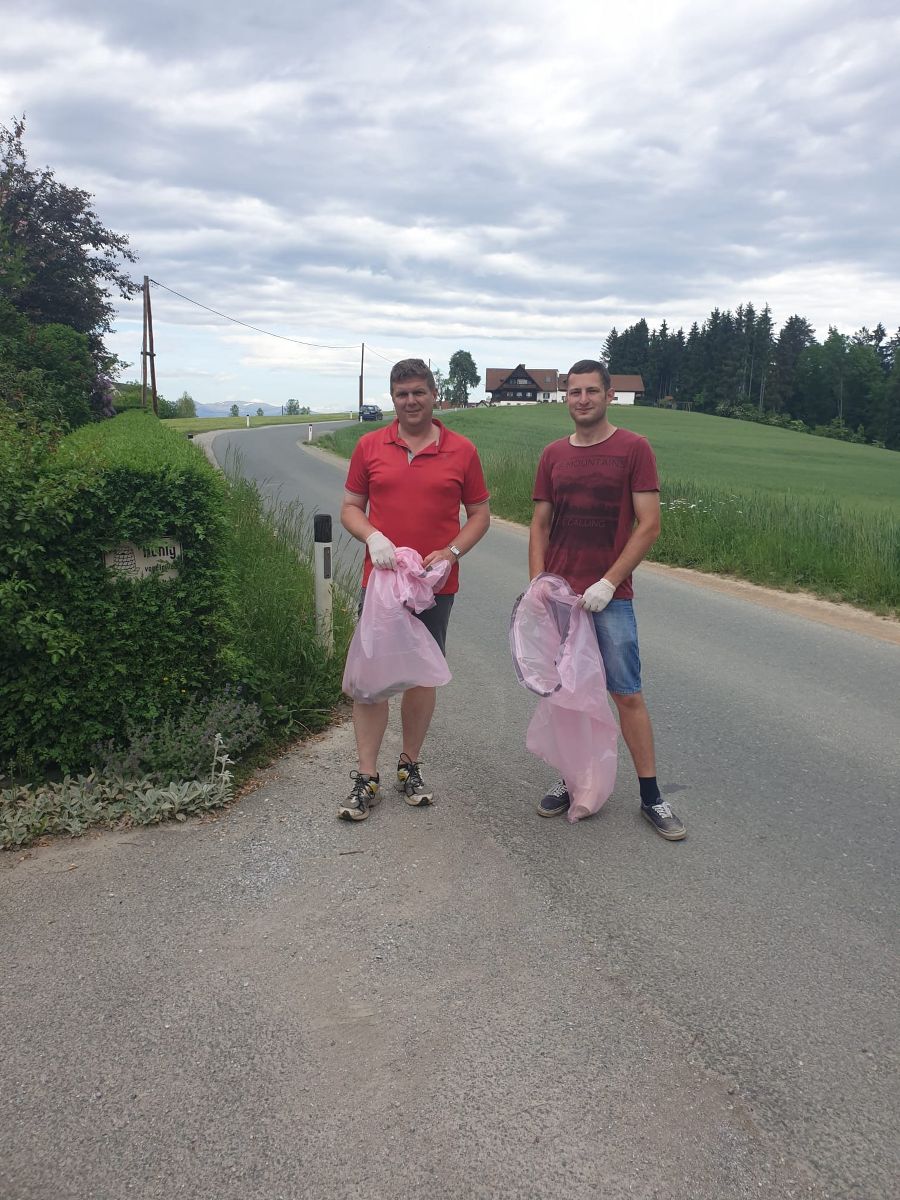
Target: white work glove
[
  {"x": 598, "y": 595},
  {"x": 381, "y": 551}
]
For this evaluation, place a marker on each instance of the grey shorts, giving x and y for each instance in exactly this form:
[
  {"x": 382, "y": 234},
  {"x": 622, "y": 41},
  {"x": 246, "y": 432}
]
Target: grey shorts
[{"x": 434, "y": 619}]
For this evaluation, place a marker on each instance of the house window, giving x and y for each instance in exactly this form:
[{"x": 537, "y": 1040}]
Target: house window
[
  {"x": 546, "y": 395},
  {"x": 522, "y": 382}
]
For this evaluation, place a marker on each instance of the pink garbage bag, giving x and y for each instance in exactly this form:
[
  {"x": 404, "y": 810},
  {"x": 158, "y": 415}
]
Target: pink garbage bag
[
  {"x": 390, "y": 650},
  {"x": 555, "y": 653}
]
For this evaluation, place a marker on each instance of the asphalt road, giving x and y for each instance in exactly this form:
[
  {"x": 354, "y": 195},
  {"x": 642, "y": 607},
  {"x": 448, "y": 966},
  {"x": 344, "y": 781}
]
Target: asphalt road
[{"x": 469, "y": 1001}]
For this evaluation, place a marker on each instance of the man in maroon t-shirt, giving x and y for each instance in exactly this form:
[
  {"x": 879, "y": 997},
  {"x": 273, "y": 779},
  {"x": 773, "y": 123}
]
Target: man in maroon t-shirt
[{"x": 596, "y": 514}]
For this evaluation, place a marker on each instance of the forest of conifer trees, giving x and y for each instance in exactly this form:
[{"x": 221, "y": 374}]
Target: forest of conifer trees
[{"x": 736, "y": 365}]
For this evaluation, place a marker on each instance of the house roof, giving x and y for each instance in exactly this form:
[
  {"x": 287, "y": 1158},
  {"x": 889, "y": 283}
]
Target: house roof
[
  {"x": 545, "y": 377},
  {"x": 627, "y": 383},
  {"x": 621, "y": 383},
  {"x": 549, "y": 379}
]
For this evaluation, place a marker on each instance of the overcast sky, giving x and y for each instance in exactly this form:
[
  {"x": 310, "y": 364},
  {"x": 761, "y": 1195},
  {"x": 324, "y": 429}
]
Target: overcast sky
[{"x": 512, "y": 178}]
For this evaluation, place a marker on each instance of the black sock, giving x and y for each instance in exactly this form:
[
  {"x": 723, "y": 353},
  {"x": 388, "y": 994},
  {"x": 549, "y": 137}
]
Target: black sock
[{"x": 649, "y": 790}]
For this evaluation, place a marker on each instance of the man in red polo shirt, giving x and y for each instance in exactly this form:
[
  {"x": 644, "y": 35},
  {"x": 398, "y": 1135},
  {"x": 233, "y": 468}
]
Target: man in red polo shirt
[{"x": 404, "y": 487}]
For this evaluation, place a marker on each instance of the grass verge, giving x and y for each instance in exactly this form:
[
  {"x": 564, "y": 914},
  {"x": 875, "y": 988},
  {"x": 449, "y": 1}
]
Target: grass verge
[
  {"x": 207, "y": 424},
  {"x": 291, "y": 676}
]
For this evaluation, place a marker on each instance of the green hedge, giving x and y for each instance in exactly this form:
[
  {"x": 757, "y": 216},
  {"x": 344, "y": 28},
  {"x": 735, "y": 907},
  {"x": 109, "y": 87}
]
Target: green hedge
[{"x": 84, "y": 650}]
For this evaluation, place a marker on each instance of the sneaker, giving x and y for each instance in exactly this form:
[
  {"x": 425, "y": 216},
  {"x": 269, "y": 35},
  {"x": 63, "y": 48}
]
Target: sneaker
[
  {"x": 556, "y": 801},
  {"x": 664, "y": 821},
  {"x": 365, "y": 795},
  {"x": 409, "y": 782}
]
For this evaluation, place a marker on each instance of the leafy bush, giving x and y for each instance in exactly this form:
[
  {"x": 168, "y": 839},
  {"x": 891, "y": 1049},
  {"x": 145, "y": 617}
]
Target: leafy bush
[
  {"x": 836, "y": 428},
  {"x": 73, "y": 806},
  {"x": 179, "y": 745},
  {"x": 45, "y": 370},
  {"x": 81, "y": 647}
]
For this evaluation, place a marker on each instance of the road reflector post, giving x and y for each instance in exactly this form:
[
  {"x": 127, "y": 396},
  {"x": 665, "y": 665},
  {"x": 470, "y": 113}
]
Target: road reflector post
[
  {"x": 323, "y": 557},
  {"x": 309, "y": 433},
  {"x": 248, "y": 420}
]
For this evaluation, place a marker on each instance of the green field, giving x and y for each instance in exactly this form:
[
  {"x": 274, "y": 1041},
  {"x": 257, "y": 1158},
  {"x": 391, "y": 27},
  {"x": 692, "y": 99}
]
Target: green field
[
  {"x": 769, "y": 505},
  {"x": 207, "y": 424}
]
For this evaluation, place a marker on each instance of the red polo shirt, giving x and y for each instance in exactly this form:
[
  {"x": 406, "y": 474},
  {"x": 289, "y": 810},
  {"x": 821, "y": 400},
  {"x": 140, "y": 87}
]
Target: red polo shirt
[{"x": 415, "y": 501}]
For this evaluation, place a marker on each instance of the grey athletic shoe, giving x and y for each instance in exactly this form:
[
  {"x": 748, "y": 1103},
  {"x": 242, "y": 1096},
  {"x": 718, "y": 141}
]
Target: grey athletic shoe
[
  {"x": 664, "y": 821},
  {"x": 410, "y": 784},
  {"x": 556, "y": 801},
  {"x": 365, "y": 795}
]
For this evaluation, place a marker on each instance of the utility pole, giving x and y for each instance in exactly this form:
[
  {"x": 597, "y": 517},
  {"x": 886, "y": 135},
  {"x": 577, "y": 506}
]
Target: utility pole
[
  {"x": 362, "y": 369},
  {"x": 144, "y": 293},
  {"x": 150, "y": 352}
]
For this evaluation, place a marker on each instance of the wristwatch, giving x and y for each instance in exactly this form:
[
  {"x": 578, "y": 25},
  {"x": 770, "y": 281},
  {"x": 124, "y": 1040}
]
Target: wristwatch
[{"x": 456, "y": 552}]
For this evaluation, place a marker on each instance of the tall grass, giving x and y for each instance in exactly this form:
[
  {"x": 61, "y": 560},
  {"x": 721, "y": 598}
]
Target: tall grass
[
  {"x": 298, "y": 684},
  {"x": 783, "y": 541}
]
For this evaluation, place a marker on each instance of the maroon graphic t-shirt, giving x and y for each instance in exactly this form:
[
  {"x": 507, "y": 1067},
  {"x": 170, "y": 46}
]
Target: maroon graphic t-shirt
[{"x": 593, "y": 515}]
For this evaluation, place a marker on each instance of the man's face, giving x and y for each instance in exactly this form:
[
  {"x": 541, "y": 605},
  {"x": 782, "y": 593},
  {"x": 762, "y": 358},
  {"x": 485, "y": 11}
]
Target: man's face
[
  {"x": 414, "y": 403},
  {"x": 587, "y": 399}
]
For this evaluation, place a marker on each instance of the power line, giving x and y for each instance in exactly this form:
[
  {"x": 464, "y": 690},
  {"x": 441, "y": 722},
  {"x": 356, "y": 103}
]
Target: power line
[
  {"x": 255, "y": 328},
  {"x": 266, "y": 332},
  {"x": 380, "y": 355}
]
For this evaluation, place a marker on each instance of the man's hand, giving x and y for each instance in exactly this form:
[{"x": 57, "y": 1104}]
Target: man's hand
[
  {"x": 381, "y": 551},
  {"x": 435, "y": 556},
  {"x": 598, "y": 595}
]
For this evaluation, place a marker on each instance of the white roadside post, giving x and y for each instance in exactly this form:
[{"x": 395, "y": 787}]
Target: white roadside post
[
  {"x": 322, "y": 543},
  {"x": 309, "y": 433},
  {"x": 248, "y": 420}
]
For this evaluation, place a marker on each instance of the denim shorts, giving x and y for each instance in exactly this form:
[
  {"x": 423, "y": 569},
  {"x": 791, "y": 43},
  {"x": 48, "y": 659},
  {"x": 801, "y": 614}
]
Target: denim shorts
[
  {"x": 616, "y": 631},
  {"x": 434, "y": 619}
]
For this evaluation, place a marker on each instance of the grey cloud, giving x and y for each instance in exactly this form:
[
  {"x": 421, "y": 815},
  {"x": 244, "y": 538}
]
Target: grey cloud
[{"x": 245, "y": 152}]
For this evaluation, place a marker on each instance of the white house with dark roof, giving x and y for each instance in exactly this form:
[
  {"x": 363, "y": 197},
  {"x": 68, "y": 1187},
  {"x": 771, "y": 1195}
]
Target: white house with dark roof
[
  {"x": 529, "y": 385},
  {"x": 521, "y": 385}
]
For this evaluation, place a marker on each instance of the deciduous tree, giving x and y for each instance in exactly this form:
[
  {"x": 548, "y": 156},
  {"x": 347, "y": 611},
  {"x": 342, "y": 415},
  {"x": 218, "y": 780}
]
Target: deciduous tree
[
  {"x": 462, "y": 376},
  {"x": 440, "y": 383},
  {"x": 58, "y": 262},
  {"x": 185, "y": 406}
]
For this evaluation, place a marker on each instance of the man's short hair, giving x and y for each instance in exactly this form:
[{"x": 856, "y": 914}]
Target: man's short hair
[
  {"x": 591, "y": 366},
  {"x": 412, "y": 368}
]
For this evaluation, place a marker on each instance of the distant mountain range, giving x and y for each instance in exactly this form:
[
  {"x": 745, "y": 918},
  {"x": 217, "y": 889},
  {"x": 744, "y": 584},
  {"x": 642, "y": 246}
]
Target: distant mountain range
[{"x": 223, "y": 407}]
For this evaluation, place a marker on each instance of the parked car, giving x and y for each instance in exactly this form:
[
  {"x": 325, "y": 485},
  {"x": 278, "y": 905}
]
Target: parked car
[{"x": 370, "y": 412}]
